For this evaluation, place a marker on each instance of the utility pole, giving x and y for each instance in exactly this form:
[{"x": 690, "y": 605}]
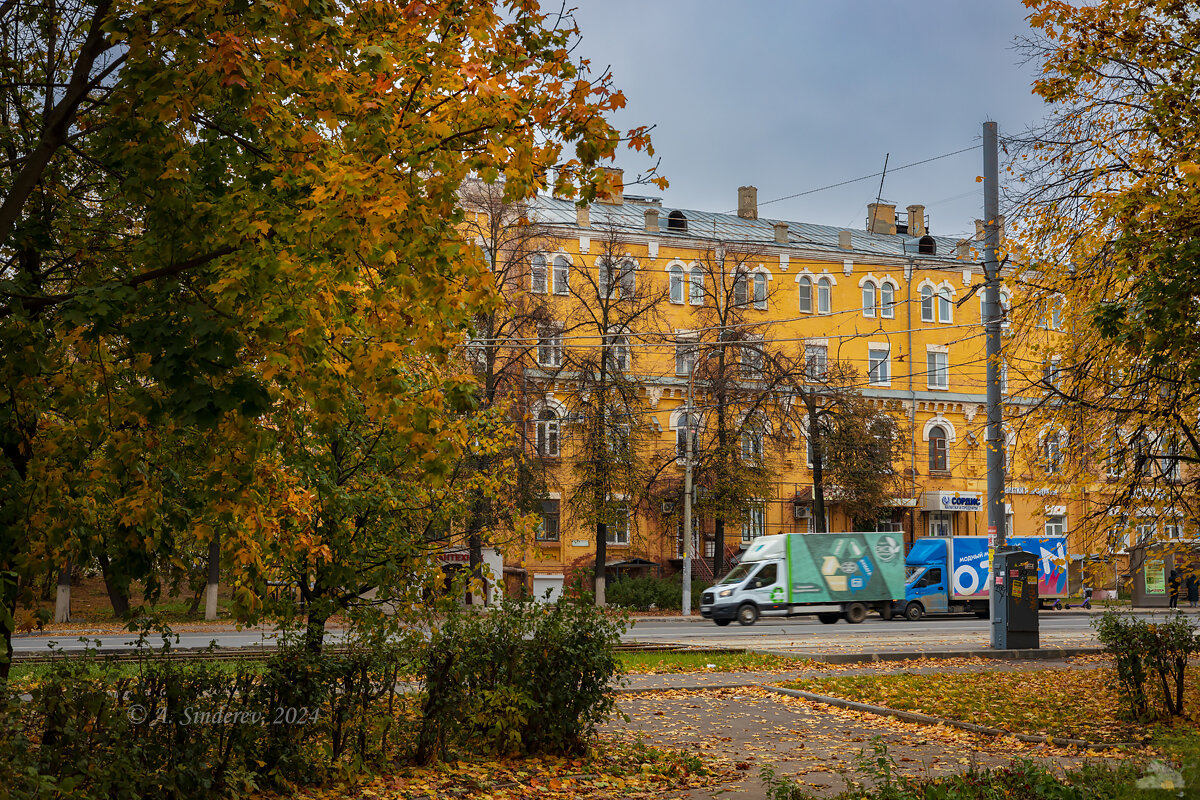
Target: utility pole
[
  {"x": 688, "y": 544},
  {"x": 991, "y": 322}
]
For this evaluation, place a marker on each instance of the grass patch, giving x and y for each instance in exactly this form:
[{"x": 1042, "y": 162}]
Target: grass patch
[
  {"x": 1074, "y": 703},
  {"x": 669, "y": 663}
]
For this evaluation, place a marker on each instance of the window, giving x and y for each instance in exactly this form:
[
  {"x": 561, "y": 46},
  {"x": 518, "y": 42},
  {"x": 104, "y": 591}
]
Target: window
[
  {"x": 816, "y": 360},
  {"x": 937, "y": 365},
  {"x": 1052, "y": 374},
  {"x": 677, "y": 222},
  {"x": 927, "y": 303},
  {"x": 686, "y": 421},
  {"x": 547, "y": 434},
  {"x": 741, "y": 290},
  {"x": 752, "y": 444},
  {"x": 887, "y": 300},
  {"x": 550, "y": 344},
  {"x": 685, "y": 355},
  {"x": 615, "y": 280},
  {"x": 1168, "y": 463},
  {"x": 1051, "y": 453},
  {"x": 755, "y": 524},
  {"x": 937, "y": 449},
  {"x": 537, "y": 274},
  {"x": 879, "y": 371},
  {"x": 1145, "y": 533},
  {"x": 760, "y": 291},
  {"x": 562, "y": 275},
  {"x": 679, "y": 551},
  {"x": 548, "y": 530},
  {"x": 626, "y": 279},
  {"x": 676, "y": 280},
  {"x": 933, "y": 577},
  {"x": 805, "y": 286},
  {"x": 696, "y": 286},
  {"x": 618, "y": 351},
  {"x": 752, "y": 360},
  {"x": 1056, "y": 525},
  {"x": 945, "y": 305},
  {"x": 941, "y": 523},
  {"x": 767, "y": 577},
  {"x": 617, "y": 532},
  {"x": 1173, "y": 530},
  {"x": 868, "y": 299},
  {"x": 1114, "y": 462},
  {"x": 824, "y": 298}
]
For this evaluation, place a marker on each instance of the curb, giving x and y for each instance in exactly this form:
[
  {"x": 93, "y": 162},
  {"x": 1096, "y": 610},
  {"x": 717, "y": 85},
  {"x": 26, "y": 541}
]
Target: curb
[
  {"x": 691, "y": 688},
  {"x": 1028, "y": 654},
  {"x": 926, "y": 719}
]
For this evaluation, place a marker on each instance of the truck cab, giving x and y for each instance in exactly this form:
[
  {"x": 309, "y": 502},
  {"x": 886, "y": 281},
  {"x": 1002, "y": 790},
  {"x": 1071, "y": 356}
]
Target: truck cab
[
  {"x": 751, "y": 589},
  {"x": 927, "y": 586}
]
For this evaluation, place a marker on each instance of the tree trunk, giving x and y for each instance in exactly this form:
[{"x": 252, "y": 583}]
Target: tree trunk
[
  {"x": 820, "y": 524},
  {"x": 314, "y": 632},
  {"x": 8, "y": 597},
  {"x": 214, "y": 578},
  {"x": 118, "y": 592},
  {"x": 601, "y": 559},
  {"x": 62, "y": 599},
  {"x": 718, "y": 556},
  {"x": 475, "y": 551}
]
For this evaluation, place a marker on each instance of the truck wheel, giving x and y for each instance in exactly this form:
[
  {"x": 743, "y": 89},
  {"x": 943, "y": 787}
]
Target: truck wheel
[
  {"x": 855, "y": 613},
  {"x": 913, "y": 611},
  {"x": 747, "y": 614},
  {"x": 721, "y": 623},
  {"x": 829, "y": 618}
]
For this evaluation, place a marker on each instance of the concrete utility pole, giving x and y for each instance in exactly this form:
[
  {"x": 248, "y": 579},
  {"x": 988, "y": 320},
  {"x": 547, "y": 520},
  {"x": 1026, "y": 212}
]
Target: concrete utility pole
[
  {"x": 688, "y": 544},
  {"x": 991, "y": 323}
]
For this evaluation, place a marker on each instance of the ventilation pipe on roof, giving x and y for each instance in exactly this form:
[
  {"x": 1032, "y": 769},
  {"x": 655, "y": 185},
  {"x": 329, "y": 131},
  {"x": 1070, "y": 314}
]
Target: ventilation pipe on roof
[
  {"x": 844, "y": 240},
  {"x": 916, "y": 221},
  {"x": 963, "y": 249},
  {"x": 583, "y": 217},
  {"x": 651, "y": 220},
  {"x": 980, "y": 229},
  {"x": 616, "y": 195},
  {"x": 781, "y": 232},
  {"x": 881, "y": 218},
  {"x": 748, "y": 202}
]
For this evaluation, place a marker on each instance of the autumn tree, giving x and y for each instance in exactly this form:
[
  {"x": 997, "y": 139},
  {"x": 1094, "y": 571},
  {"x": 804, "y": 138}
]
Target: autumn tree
[
  {"x": 1108, "y": 208},
  {"x": 252, "y": 209}
]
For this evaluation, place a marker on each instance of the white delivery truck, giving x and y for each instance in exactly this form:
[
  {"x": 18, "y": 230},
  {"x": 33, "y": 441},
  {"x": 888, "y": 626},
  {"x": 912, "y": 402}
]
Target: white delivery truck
[{"x": 832, "y": 575}]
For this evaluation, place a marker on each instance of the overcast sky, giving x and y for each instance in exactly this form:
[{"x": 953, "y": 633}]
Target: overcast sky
[{"x": 793, "y": 95}]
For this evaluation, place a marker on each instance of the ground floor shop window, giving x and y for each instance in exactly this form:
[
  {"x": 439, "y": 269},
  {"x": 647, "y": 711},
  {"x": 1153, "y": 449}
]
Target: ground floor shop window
[{"x": 941, "y": 523}]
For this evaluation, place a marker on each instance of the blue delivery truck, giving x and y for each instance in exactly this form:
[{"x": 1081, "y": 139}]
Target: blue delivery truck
[{"x": 948, "y": 574}]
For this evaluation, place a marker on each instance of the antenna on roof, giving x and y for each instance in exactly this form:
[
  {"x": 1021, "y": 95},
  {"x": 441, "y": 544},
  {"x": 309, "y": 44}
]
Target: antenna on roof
[{"x": 879, "y": 196}]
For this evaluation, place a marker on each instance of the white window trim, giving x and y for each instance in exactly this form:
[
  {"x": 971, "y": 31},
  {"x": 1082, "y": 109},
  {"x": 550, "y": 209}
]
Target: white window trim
[
  {"x": 551, "y": 284},
  {"x": 947, "y": 426},
  {"x": 887, "y": 360}
]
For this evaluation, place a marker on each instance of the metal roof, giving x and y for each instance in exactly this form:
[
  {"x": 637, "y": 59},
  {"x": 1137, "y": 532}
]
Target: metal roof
[{"x": 629, "y": 217}]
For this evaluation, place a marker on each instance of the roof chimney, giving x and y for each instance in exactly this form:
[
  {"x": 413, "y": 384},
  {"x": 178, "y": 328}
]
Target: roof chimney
[
  {"x": 615, "y": 196},
  {"x": 964, "y": 250},
  {"x": 748, "y": 202},
  {"x": 844, "y": 240},
  {"x": 583, "y": 217},
  {"x": 981, "y": 229},
  {"x": 781, "y": 232},
  {"x": 881, "y": 218},
  {"x": 651, "y": 220},
  {"x": 916, "y": 221}
]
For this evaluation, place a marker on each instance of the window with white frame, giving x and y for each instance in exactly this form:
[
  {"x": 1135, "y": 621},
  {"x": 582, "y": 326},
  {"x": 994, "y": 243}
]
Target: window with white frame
[
  {"x": 927, "y": 303},
  {"x": 562, "y": 275},
  {"x": 760, "y": 291},
  {"x": 755, "y": 524},
  {"x": 741, "y": 290},
  {"x": 1173, "y": 530},
  {"x": 683, "y": 424},
  {"x": 538, "y": 276},
  {"x": 887, "y": 300},
  {"x": 696, "y": 286},
  {"x": 617, "y": 532},
  {"x": 675, "y": 278},
  {"x": 548, "y": 529},
  {"x": 869, "y": 299},
  {"x": 1144, "y": 532},
  {"x": 550, "y": 346},
  {"x": 1052, "y": 374},
  {"x": 752, "y": 443},
  {"x": 626, "y": 278},
  {"x": 938, "y": 449},
  {"x": 941, "y": 523},
  {"x": 824, "y": 296},
  {"x": 1168, "y": 463},
  {"x": 615, "y": 279},
  {"x": 686, "y": 350},
  {"x": 816, "y": 361},
  {"x": 1052, "y": 453},
  {"x": 937, "y": 365},
  {"x": 618, "y": 351},
  {"x": 879, "y": 371},
  {"x": 751, "y": 357},
  {"x": 1056, "y": 525},
  {"x": 806, "y": 301},
  {"x": 548, "y": 433},
  {"x": 945, "y": 305}
]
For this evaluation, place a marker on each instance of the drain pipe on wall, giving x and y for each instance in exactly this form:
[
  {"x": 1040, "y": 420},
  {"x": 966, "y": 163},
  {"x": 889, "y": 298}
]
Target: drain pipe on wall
[{"x": 912, "y": 395}]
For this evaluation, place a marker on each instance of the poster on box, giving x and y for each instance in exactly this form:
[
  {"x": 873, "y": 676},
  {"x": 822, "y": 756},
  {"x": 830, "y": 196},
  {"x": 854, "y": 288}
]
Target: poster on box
[{"x": 972, "y": 564}]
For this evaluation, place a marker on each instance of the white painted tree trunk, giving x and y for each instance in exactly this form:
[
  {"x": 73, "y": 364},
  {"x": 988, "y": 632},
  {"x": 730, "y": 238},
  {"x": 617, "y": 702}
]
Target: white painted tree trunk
[{"x": 62, "y": 600}]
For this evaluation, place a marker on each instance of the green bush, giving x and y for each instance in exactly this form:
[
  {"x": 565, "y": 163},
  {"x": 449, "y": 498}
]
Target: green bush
[
  {"x": 1139, "y": 647},
  {"x": 523, "y": 678},
  {"x": 647, "y": 594}
]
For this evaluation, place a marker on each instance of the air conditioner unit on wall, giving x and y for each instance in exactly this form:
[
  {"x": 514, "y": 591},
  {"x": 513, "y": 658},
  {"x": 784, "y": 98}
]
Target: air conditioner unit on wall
[
  {"x": 801, "y": 511},
  {"x": 668, "y": 507}
]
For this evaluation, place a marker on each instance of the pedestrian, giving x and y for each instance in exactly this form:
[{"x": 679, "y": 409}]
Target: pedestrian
[
  {"x": 1193, "y": 589},
  {"x": 1174, "y": 582}
]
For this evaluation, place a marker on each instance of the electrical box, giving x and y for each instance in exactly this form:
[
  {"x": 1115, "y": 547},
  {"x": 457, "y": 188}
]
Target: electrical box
[{"x": 1014, "y": 599}]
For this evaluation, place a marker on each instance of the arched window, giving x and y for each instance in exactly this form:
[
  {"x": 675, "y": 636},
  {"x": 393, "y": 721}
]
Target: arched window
[
  {"x": 927, "y": 303},
  {"x": 618, "y": 352},
  {"x": 685, "y": 422},
  {"x": 805, "y": 286},
  {"x": 1052, "y": 453},
  {"x": 537, "y": 274},
  {"x": 626, "y": 280},
  {"x": 824, "y": 296},
  {"x": 696, "y": 286},
  {"x": 945, "y": 305},
  {"x": 676, "y": 280},
  {"x": 887, "y": 300},
  {"x": 547, "y": 434},
  {"x": 869, "y": 299},
  {"x": 741, "y": 290},
  {"x": 752, "y": 443},
  {"x": 937, "y": 448},
  {"x": 562, "y": 275},
  {"x": 677, "y": 222},
  {"x": 927, "y": 246},
  {"x": 760, "y": 291}
]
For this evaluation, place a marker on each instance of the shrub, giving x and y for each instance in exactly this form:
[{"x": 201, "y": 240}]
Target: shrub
[
  {"x": 1138, "y": 647},
  {"x": 645, "y": 594},
  {"x": 523, "y": 678}
]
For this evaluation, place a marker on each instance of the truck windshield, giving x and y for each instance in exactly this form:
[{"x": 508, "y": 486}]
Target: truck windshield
[
  {"x": 911, "y": 573},
  {"x": 738, "y": 573}
]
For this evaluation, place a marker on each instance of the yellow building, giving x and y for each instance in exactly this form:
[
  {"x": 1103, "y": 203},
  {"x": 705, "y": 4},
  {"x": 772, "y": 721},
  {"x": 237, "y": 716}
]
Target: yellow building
[{"x": 900, "y": 304}]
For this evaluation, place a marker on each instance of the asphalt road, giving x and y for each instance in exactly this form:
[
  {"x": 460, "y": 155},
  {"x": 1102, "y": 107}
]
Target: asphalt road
[{"x": 796, "y": 633}]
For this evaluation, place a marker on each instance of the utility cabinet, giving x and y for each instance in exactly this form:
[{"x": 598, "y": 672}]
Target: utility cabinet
[{"x": 1015, "y": 593}]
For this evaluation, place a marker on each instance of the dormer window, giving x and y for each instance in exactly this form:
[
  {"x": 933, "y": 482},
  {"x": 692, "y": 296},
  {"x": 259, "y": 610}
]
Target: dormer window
[
  {"x": 927, "y": 246},
  {"x": 677, "y": 222}
]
